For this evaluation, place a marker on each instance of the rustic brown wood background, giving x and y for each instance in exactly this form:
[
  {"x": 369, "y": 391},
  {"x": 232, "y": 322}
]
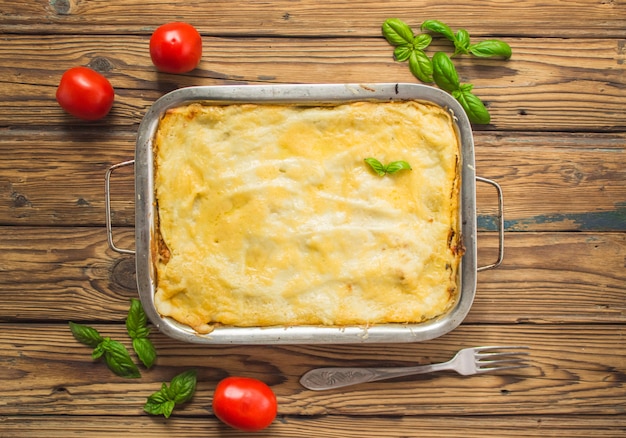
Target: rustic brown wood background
[{"x": 557, "y": 145}]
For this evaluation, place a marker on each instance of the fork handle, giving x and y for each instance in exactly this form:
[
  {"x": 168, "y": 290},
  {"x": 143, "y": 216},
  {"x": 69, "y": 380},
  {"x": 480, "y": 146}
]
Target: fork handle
[{"x": 337, "y": 377}]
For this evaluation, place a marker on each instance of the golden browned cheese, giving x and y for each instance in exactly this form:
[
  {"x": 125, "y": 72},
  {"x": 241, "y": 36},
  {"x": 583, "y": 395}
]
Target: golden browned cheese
[{"x": 269, "y": 216}]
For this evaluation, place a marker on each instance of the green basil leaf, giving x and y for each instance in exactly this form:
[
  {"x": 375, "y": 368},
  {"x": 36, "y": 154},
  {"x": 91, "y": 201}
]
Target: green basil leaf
[
  {"x": 153, "y": 408},
  {"x": 145, "y": 351},
  {"x": 167, "y": 408},
  {"x": 444, "y": 73},
  {"x": 473, "y": 106},
  {"x": 396, "y": 166},
  {"x": 421, "y": 66},
  {"x": 118, "y": 359},
  {"x": 183, "y": 386},
  {"x": 85, "y": 334},
  {"x": 397, "y": 32},
  {"x": 438, "y": 27},
  {"x": 487, "y": 48},
  {"x": 377, "y": 166},
  {"x": 159, "y": 404},
  {"x": 165, "y": 392},
  {"x": 137, "y": 320},
  {"x": 402, "y": 53},
  {"x": 98, "y": 351},
  {"x": 466, "y": 87},
  {"x": 181, "y": 390},
  {"x": 422, "y": 41},
  {"x": 461, "y": 42},
  {"x": 159, "y": 396}
]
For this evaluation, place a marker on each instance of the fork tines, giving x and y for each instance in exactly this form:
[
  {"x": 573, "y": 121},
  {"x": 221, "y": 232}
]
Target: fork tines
[{"x": 501, "y": 357}]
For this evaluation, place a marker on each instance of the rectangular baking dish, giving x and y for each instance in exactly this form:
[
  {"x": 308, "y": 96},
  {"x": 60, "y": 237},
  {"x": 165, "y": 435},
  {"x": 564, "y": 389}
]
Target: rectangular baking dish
[{"x": 145, "y": 213}]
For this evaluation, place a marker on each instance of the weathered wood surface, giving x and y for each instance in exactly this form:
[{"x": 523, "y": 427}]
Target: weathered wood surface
[
  {"x": 579, "y": 426},
  {"x": 587, "y": 380},
  {"x": 557, "y": 146},
  {"x": 549, "y": 84},
  {"x": 551, "y": 182},
  {"x": 561, "y": 18},
  {"x": 545, "y": 277}
]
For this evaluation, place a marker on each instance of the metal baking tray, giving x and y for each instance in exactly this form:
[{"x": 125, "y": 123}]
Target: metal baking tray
[{"x": 145, "y": 213}]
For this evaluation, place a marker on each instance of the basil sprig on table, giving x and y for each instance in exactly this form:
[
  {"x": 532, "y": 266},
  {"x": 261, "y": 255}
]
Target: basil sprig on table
[
  {"x": 461, "y": 40},
  {"x": 446, "y": 77},
  {"x": 409, "y": 47},
  {"x": 441, "y": 69},
  {"x": 117, "y": 358},
  {"x": 115, "y": 354},
  {"x": 138, "y": 330},
  {"x": 393, "y": 167},
  {"x": 180, "y": 390}
]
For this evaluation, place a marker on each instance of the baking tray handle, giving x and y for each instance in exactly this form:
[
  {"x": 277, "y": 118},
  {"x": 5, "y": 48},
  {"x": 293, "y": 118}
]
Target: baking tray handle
[
  {"x": 500, "y": 225},
  {"x": 107, "y": 205}
]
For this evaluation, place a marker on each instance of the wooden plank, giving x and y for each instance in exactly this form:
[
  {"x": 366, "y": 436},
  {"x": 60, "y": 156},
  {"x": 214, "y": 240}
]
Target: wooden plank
[
  {"x": 336, "y": 426},
  {"x": 576, "y": 369},
  {"x": 567, "y": 182},
  {"x": 307, "y": 17},
  {"x": 58, "y": 177},
  {"x": 49, "y": 273},
  {"x": 553, "y": 182},
  {"x": 543, "y": 87},
  {"x": 552, "y": 277}
]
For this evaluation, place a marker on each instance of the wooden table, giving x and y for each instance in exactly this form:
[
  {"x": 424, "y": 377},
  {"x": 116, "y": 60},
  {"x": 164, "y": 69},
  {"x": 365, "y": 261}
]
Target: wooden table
[{"x": 556, "y": 144}]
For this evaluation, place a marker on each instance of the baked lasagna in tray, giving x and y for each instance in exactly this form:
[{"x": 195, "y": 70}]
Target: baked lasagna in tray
[{"x": 268, "y": 214}]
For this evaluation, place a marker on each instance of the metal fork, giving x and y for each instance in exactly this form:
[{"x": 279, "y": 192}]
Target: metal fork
[{"x": 466, "y": 362}]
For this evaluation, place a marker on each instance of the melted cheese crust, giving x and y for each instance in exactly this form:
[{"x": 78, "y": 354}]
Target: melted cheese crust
[{"x": 269, "y": 216}]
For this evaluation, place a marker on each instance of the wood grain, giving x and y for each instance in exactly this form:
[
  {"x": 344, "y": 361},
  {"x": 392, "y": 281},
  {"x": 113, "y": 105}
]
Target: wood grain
[
  {"x": 545, "y": 86},
  {"x": 52, "y": 274},
  {"x": 312, "y": 18},
  {"x": 557, "y": 146},
  {"x": 568, "y": 182},
  {"x": 589, "y": 380},
  {"x": 336, "y": 426}
]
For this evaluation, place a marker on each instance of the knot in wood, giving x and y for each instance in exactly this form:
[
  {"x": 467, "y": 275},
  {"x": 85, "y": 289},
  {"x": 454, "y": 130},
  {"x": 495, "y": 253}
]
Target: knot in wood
[
  {"x": 20, "y": 200},
  {"x": 100, "y": 64},
  {"x": 123, "y": 273},
  {"x": 61, "y": 7}
]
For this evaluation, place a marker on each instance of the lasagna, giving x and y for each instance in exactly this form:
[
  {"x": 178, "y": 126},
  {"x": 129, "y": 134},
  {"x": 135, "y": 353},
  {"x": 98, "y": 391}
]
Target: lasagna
[{"x": 269, "y": 214}]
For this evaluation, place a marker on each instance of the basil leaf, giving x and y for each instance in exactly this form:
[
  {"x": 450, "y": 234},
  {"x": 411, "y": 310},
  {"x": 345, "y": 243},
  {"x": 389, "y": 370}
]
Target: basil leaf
[
  {"x": 85, "y": 334},
  {"x": 159, "y": 404},
  {"x": 402, "y": 53},
  {"x": 98, "y": 351},
  {"x": 396, "y": 166},
  {"x": 167, "y": 408},
  {"x": 438, "y": 27},
  {"x": 466, "y": 87},
  {"x": 181, "y": 390},
  {"x": 136, "y": 320},
  {"x": 118, "y": 359},
  {"x": 138, "y": 332},
  {"x": 393, "y": 167},
  {"x": 487, "y": 48},
  {"x": 444, "y": 73},
  {"x": 422, "y": 41},
  {"x": 183, "y": 386},
  {"x": 377, "y": 166},
  {"x": 473, "y": 106},
  {"x": 145, "y": 351},
  {"x": 461, "y": 42},
  {"x": 397, "y": 32},
  {"x": 421, "y": 66}
]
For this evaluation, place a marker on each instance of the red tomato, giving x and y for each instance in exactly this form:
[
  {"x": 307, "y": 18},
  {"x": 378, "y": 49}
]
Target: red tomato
[
  {"x": 176, "y": 47},
  {"x": 85, "y": 93},
  {"x": 244, "y": 403}
]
